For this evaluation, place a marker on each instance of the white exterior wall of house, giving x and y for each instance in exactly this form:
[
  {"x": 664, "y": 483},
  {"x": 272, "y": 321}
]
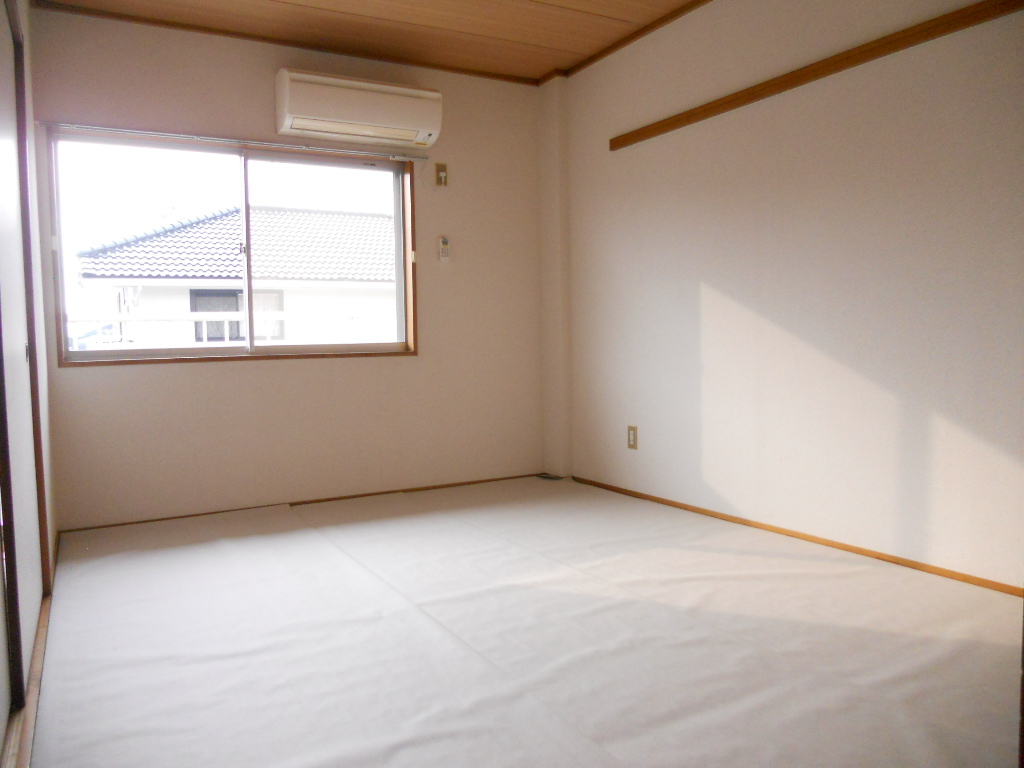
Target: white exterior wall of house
[
  {"x": 337, "y": 313},
  {"x": 99, "y": 299},
  {"x": 334, "y": 312}
]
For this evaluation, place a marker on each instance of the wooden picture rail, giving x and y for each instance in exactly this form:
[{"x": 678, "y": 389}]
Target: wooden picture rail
[{"x": 964, "y": 18}]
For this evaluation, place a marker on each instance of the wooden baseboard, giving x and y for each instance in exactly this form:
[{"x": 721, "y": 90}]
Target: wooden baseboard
[
  {"x": 933, "y": 569},
  {"x": 21, "y": 727},
  {"x": 300, "y": 503},
  {"x": 414, "y": 490}
]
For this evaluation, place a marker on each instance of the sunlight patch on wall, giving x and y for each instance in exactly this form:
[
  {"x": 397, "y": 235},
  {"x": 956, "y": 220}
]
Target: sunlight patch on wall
[
  {"x": 792, "y": 437},
  {"x": 976, "y": 495}
]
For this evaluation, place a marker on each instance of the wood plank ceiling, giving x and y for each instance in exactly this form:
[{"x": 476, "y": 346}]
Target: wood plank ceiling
[{"x": 520, "y": 40}]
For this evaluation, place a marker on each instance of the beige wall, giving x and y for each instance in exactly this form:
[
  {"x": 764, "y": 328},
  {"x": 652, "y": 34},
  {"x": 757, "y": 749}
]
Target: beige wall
[
  {"x": 143, "y": 441},
  {"x": 811, "y": 307}
]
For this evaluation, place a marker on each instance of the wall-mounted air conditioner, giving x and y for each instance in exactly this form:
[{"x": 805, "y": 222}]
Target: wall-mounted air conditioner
[{"x": 346, "y": 109}]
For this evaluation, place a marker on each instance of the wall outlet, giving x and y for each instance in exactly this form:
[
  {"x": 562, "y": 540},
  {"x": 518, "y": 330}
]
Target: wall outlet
[
  {"x": 441, "y": 174},
  {"x": 631, "y": 438}
]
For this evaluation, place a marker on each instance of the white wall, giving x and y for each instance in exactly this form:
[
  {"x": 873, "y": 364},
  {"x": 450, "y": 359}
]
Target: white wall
[
  {"x": 25, "y": 513},
  {"x": 811, "y": 307},
  {"x": 142, "y": 441},
  {"x": 554, "y": 232}
]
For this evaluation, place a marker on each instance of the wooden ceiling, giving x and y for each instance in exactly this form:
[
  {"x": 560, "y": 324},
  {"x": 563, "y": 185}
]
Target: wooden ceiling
[{"x": 520, "y": 40}]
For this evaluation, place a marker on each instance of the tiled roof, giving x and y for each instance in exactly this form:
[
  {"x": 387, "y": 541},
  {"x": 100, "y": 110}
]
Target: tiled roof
[{"x": 287, "y": 244}]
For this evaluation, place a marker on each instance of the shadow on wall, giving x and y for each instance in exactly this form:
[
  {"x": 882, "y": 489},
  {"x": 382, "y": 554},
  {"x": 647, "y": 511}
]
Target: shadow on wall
[{"x": 823, "y": 436}]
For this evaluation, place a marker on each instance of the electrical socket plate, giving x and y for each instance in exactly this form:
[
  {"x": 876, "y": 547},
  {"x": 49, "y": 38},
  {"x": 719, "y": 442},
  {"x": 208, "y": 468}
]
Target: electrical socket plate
[{"x": 631, "y": 438}]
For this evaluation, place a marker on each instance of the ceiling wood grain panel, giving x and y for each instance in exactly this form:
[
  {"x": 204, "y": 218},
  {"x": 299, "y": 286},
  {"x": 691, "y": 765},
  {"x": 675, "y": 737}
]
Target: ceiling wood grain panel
[
  {"x": 521, "y": 40},
  {"x": 390, "y": 41},
  {"x": 519, "y": 21},
  {"x": 635, "y": 12}
]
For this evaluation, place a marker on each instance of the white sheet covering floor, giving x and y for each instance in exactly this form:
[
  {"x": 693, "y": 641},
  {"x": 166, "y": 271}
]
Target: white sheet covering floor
[{"x": 521, "y": 623}]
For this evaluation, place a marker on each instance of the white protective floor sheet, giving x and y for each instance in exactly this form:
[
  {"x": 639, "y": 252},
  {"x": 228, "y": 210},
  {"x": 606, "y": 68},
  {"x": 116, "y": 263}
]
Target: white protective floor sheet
[{"x": 525, "y": 623}]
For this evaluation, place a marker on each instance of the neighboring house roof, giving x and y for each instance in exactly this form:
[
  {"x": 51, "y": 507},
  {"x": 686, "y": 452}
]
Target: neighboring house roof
[{"x": 287, "y": 244}]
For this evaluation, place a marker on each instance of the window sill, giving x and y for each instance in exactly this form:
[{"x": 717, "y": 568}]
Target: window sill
[{"x": 128, "y": 357}]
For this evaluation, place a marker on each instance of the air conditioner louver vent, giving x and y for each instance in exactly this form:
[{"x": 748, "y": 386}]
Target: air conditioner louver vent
[{"x": 360, "y": 111}]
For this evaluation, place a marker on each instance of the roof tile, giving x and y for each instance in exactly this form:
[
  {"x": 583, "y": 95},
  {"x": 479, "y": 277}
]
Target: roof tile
[{"x": 287, "y": 244}]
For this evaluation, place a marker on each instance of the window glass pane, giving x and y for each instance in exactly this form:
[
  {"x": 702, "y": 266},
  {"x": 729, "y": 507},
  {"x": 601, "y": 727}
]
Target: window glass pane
[
  {"x": 204, "y": 301},
  {"x": 144, "y": 232},
  {"x": 324, "y": 246}
]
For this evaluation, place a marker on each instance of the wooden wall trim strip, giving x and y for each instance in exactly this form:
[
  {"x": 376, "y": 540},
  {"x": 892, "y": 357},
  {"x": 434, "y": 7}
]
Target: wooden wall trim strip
[
  {"x": 971, "y": 16},
  {"x": 932, "y": 569}
]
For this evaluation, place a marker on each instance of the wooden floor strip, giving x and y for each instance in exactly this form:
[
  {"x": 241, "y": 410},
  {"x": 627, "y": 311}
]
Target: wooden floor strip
[
  {"x": 414, "y": 490},
  {"x": 21, "y": 727},
  {"x": 35, "y": 680},
  {"x": 977, "y": 581},
  {"x": 12, "y": 740}
]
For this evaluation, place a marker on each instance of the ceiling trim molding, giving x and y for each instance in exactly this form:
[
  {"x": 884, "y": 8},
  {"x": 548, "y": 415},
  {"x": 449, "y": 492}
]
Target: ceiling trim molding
[
  {"x": 554, "y": 74},
  {"x": 631, "y": 38}
]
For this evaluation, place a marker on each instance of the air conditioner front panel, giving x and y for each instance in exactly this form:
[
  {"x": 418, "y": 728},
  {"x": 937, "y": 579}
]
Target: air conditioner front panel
[{"x": 358, "y": 111}]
